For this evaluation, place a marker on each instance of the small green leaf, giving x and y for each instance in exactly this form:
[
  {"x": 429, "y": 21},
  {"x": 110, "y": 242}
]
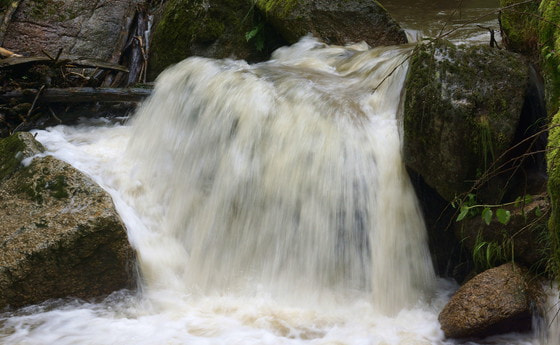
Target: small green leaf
[
  {"x": 538, "y": 211},
  {"x": 252, "y": 33},
  {"x": 259, "y": 45},
  {"x": 528, "y": 199},
  {"x": 503, "y": 216},
  {"x": 487, "y": 215},
  {"x": 463, "y": 213}
]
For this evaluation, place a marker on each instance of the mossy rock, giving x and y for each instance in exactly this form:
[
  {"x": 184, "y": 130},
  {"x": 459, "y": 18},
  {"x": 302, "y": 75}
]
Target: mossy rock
[
  {"x": 61, "y": 235},
  {"x": 462, "y": 109},
  {"x": 335, "y": 22},
  {"x": 14, "y": 149},
  {"x": 520, "y": 26},
  {"x": 553, "y": 164},
  {"x": 549, "y": 40},
  {"x": 210, "y": 28},
  {"x": 549, "y": 43}
]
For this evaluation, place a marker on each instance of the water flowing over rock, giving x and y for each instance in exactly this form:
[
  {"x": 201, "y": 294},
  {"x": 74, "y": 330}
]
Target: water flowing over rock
[
  {"x": 335, "y": 22},
  {"x": 462, "y": 110},
  {"x": 295, "y": 162},
  {"x": 60, "y": 234},
  {"x": 79, "y": 27},
  {"x": 495, "y": 301}
]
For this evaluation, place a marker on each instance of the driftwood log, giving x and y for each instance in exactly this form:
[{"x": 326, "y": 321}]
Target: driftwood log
[
  {"x": 76, "y": 95},
  {"x": 65, "y": 61}
]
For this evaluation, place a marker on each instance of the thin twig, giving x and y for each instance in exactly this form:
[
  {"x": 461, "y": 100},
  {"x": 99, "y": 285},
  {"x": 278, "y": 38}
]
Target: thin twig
[
  {"x": 35, "y": 101},
  {"x": 54, "y": 116}
]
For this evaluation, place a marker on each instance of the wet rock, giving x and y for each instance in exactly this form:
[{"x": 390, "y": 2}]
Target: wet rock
[
  {"x": 495, "y": 301},
  {"x": 210, "y": 28},
  {"x": 79, "y": 27},
  {"x": 335, "y": 22},
  {"x": 462, "y": 109},
  {"x": 60, "y": 234}
]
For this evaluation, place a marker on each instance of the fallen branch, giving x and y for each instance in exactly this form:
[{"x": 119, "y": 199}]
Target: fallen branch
[
  {"x": 68, "y": 62},
  {"x": 77, "y": 95}
]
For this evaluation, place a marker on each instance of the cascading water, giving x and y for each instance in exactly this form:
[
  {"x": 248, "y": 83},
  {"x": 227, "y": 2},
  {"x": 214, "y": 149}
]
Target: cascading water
[
  {"x": 268, "y": 205},
  {"x": 285, "y": 176}
]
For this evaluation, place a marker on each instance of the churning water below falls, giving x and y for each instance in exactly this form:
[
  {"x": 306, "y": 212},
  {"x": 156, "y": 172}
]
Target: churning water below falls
[{"x": 268, "y": 204}]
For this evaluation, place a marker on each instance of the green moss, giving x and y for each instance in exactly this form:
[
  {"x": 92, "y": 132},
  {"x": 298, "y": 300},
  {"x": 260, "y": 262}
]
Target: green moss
[
  {"x": 187, "y": 27},
  {"x": 48, "y": 9},
  {"x": 279, "y": 7},
  {"x": 11, "y": 154},
  {"x": 519, "y": 24},
  {"x": 553, "y": 162},
  {"x": 549, "y": 43},
  {"x": 57, "y": 187},
  {"x": 455, "y": 122}
]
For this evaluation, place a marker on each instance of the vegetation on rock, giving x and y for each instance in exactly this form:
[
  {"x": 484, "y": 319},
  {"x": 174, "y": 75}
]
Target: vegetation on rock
[
  {"x": 60, "y": 235},
  {"x": 216, "y": 28},
  {"x": 462, "y": 108}
]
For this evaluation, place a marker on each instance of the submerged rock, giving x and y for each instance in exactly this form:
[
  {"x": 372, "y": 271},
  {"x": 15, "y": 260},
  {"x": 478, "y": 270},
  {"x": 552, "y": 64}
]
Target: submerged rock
[
  {"x": 335, "y": 22},
  {"x": 496, "y": 301},
  {"x": 60, "y": 234},
  {"x": 462, "y": 109}
]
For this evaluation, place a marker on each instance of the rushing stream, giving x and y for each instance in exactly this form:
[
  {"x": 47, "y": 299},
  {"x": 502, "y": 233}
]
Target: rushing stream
[{"x": 268, "y": 204}]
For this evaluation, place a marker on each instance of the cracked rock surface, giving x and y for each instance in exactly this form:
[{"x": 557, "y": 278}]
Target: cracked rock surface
[{"x": 79, "y": 27}]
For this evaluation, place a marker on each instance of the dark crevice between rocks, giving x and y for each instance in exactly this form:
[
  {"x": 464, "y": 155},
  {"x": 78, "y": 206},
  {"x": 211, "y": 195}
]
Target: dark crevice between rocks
[
  {"x": 530, "y": 176},
  {"x": 449, "y": 258}
]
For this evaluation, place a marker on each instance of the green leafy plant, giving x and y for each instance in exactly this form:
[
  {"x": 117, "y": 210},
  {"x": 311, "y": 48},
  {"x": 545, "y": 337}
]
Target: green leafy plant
[
  {"x": 257, "y": 35},
  {"x": 469, "y": 208},
  {"x": 488, "y": 254}
]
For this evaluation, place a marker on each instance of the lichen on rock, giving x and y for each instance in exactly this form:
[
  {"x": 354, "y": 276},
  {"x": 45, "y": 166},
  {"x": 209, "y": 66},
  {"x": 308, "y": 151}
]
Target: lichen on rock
[
  {"x": 60, "y": 234},
  {"x": 462, "y": 108}
]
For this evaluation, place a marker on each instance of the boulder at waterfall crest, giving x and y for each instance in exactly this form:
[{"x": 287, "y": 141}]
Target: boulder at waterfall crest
[
  {"x": 462, "y": 110},
  {"x": 60, "y": 234},
  {"x": 334, "y": 22}
]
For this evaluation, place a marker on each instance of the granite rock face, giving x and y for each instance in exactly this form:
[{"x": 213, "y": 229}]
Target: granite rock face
[
  {"x": 60, "y": 234},
  {"x": 80, "y": 27}
]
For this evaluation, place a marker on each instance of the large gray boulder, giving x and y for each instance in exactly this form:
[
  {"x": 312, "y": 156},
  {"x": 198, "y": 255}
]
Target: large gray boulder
[
  {"x": 60, "y": 234},
  {"x": 335, "y": 22},
  {"x": 462, "y": 110},
  {"x": 80, "y": 27},
  {"x": 496, "y": 301}
]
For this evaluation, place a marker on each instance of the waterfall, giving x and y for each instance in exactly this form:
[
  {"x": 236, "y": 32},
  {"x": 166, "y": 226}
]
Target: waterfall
[
  {"x": 284, "y": 176},
  {"x": 267, "y": 203}
]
